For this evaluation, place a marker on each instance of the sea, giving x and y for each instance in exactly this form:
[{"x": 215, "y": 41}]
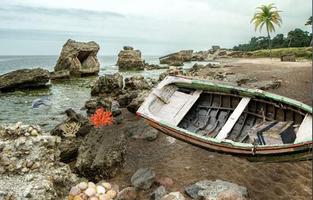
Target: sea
[{"x": 17, "y": 106}]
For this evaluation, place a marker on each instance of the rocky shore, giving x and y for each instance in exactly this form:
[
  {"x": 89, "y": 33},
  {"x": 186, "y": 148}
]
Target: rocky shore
[{"x": 129, "y": 160}]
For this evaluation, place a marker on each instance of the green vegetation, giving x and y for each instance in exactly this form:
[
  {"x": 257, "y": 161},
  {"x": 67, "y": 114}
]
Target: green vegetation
[
  {"x": 309, "y": 22},
  {"x": 300, "y": 52},
  {"x": 267, "y": 15},
  {"x": 294, "y": 38}
]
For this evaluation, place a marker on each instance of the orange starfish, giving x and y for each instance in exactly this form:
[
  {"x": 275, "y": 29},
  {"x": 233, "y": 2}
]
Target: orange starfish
[{"x": 101, "y": 118}]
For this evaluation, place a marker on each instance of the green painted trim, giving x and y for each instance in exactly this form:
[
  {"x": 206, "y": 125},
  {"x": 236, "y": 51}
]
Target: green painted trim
[{"x": 205, "y": 85}]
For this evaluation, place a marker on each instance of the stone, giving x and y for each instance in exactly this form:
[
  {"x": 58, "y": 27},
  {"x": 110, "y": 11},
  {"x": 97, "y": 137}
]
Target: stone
[
  {"x": 107, "y": 186},
  {"x": 177, "y": 59},
  {"x": 100, "y": 189},
  {"x": 78, "y": 58},
  {"x": 102, "y": 152},
  {"x": 128, "y": 193},
  {"x": 173, "y": 196},
  {"x": 165, "y": 181},
  {"x": 24, "y": 79},
  {"x": 130, "y": 59},
  {"x": 74, "y": 191},
  {"x": 111, "y": 194},
  {"x": 206, "y": 189},
  {"x": 83, "y": 185},
  {"x": 108, "y": 85},
  {"x": 137, "y": 82},
  {"x": 229, "y": 195},
  {"x": 158, "y": 193},
  {"x": 143, "y": 178},
  {"x": 265, "y": 85},
  {"x": 134, "y": 105},
  {"x": 90, "y": 192},
  {"x": 72, "y": 131}
]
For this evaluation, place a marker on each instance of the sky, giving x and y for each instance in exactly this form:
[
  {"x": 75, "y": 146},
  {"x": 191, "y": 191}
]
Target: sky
[{"x": 41, "y": 27}]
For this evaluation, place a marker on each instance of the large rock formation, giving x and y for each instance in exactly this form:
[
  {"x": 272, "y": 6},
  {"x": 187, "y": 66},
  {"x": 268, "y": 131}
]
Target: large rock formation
[
  {"x": 178, "y": 58},
  {"x": 77, "y": 59},
  {"x": 102, "y": 152},
  {"x": 130, "y": 59},
  {"x": 24, "y": 79}
]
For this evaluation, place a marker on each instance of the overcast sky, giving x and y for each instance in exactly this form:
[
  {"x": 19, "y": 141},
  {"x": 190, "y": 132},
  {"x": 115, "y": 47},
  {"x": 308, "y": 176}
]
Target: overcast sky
[{"x": 41, "y": 27}]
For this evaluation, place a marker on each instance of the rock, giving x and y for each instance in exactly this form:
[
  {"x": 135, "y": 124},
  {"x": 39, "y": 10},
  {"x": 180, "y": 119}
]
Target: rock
[
  {"x": 72, "y": 132},
  {"x": 108, "y": 85},
  {"x": 172, "y": 71},
  {"x": 128, "y": 193},
  {"x": 24, "y": 79},
  {"x": 173, "y": 196},
  {"x": 143, "y": 178},
  {"x": 154, "y": 67},
  {"x": 136, "y": 102},
  {"x": 90, "y": 192},
  {"x": 165, "y": 181},
  {"x": 177, "y": 59},
  {"x": 101, "y": 153},
  {"x": 211, "y": 189},
  {"x": 222, "y": 53},
  {"x": 215, "y": 48},
  {"x": 77, "y": 59},
  {"x": 45, "y": 177},
  {"x": 140, "y": 130},
  {"x": 130, "y": 59},
  {"x": 158, "y": 193},
  {"x": 137, "y": 82},
  {"x": 83, "y": 185},
  {"x": 230, "y": 195},
  {"x": 128, "y": 48},
  {"x": 288, "y": 58},
  {"x": 101, "y": 102},
  {"x": 111, "y": 194},
  {"x": 107, "y": 186}
]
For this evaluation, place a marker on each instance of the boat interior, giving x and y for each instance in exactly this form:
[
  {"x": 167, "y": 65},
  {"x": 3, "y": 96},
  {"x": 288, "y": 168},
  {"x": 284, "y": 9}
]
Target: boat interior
[{"x": 220, "y": 115}]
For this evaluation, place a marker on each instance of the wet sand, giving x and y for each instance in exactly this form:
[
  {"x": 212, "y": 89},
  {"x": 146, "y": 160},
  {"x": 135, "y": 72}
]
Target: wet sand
[{"x": 186, "y": 164}]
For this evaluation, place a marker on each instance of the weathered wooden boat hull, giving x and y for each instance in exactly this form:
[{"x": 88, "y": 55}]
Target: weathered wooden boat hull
[
  {"x": 175, "y": 124},
  {"x": 295, "y": 153}
]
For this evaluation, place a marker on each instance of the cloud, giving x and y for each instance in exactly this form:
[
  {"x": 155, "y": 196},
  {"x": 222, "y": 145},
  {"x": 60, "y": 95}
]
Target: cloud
[{"x": 156, "y": 27}]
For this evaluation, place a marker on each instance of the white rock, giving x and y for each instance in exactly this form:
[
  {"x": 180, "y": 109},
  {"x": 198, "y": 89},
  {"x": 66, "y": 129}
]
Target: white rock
[
  {"x": 100, "y": 189},
  {"x": 34, "y": 132},
  {"x": 75, "y": 191},
  {"x": 90, "y": 192},
  {"x": 111, "y": 194},
  {"x": 107, "y": 185},
  {"x": 83, "y": 185},
  {"x": 91, "y": 185}
]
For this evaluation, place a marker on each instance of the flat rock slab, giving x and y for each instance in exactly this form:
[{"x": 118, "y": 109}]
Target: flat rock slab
[
  {"x": 211, "y": 189},
  {"x": 143, "y": 178},
  {"x": 24, "y": 79}
]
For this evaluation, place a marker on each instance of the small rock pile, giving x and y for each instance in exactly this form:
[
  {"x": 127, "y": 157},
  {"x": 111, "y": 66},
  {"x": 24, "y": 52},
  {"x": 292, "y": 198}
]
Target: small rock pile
[
  {"x": 128, "y": 93},
  {"x": 92, "y": 191},
  {"x": 29, "y": 156},
  {"x": 130, "y": 59}
]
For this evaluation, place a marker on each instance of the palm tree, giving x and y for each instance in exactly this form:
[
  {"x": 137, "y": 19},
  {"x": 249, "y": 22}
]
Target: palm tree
[
  {"x": 309, "y": 22},
  {"x": 267, "y": 15}
]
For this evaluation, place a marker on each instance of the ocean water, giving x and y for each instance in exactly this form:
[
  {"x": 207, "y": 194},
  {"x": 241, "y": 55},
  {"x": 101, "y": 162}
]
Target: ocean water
[{"x": 17, "y": 106}]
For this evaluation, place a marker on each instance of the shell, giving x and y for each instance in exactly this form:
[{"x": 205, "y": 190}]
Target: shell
[
  {"x": 83, "y": 185},
  {"x": 100, "y": 189},
  {"x": 90, "y": 192}
]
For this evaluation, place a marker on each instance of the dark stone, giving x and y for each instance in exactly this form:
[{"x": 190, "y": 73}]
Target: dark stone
[
  {"x": 101, "y": 154},
  {"x": 130, "y": 59},
  {"x": 24, "y": 79},
  {"x": 109, "y": 85},
  {"x": 143, "y": 178}
]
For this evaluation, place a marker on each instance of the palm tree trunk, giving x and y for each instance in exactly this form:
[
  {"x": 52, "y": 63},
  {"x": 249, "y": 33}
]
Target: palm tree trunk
[{"x": 269, "y": 43}]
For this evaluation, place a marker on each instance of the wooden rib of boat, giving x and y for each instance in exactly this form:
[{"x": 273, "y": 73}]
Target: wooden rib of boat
[{"x": 247, "y": 122}]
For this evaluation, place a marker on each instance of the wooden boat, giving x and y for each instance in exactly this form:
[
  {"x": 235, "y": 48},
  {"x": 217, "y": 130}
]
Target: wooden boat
[{"x": 247, "y": 122}]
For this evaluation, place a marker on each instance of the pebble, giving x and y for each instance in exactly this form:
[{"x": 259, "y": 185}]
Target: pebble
[
  {"x": 91, "y": 185},
  {"x": 100, "y": 189},
  {"x": 93, "y": 198},
  {"x": 83, "y": 185},
  {"x": 90, "y": 192},
  {"x": 111, "y": 194},
  {"x": 75, "y": 191},
  {"x": 107, "y": 185},
  {"x": 103, "y": 197},
  {"x": 34, "y": 132}
]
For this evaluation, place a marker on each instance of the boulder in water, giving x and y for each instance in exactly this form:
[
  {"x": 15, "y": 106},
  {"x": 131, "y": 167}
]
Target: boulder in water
[
  {"x": 130, "y": 59},
  {"x": 77, "y": 59},
  {"x": 24, "y": 79}
]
